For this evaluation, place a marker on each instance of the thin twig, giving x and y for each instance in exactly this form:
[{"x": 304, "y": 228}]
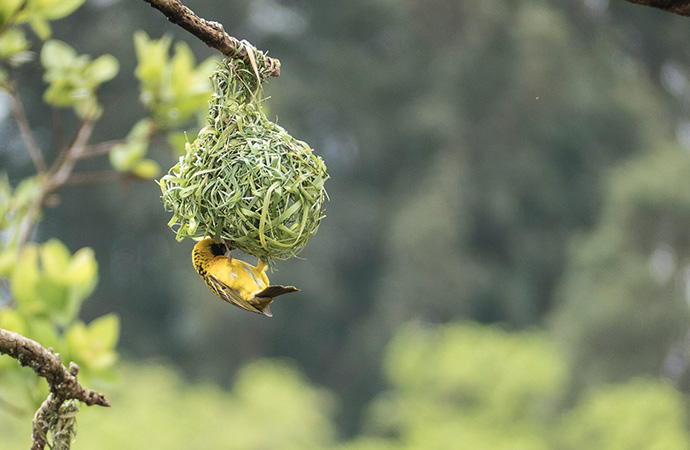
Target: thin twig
[
  {"x": 29, "y": 219},
  {"x": 99, "y": 176},
  {"x": 211, "y": 33},
  {"x": 58, "y": 136},
  {"x": 102, "y": 148},
  {"x": 25, "y": 130},
  {"x": 62, "y": 170}
]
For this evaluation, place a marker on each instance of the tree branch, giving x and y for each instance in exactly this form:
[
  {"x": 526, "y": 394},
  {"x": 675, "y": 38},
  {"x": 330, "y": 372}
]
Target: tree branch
[
  {"x": 99, "y": 176},
  {"x": 63, "y": 167},
  {"x": 63, "y": 384},
  {"x": 25, "y": 130},
  {"x": 211, "y": 33},
  {"x": 102, "y": 148},
  {"x": 681, "y": 7}
]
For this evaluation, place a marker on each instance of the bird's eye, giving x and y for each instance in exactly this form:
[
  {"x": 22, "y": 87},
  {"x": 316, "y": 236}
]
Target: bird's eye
[{"x": 218, "y": 249}]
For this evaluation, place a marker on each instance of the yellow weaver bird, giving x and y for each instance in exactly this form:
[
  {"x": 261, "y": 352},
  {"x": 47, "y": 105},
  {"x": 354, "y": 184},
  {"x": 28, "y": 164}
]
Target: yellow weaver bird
[{"x": 235, "y": 281}]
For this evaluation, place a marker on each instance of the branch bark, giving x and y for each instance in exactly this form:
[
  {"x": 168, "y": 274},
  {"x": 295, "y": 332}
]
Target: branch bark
[
  {"x": 681, "y": 7},
  {"x": 63, "y": 383},
  {"x": 211, "y": 33}
]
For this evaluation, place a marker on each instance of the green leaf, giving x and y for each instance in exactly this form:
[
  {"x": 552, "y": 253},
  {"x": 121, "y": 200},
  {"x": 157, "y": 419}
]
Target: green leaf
[
  {"x": 92, "y": 347},
  {"x": 178, "y": 142},
  {"x": 57, "y": 54},
  {"x": 105, "y": 331},
  {"x": 26, "y": 192},
  {"x": 58, "y": 286},
  {"x": 82, "y": 278},
  {"x": 124, "y": 157},
  {"x": 8, "y": 259},
  {"x": 8, "y": 9},
  {"x": 82, "y": 273},
  {"x": 41, "y": 27},
  {"x": 53, "y": 295},
  {"x": 77, "y": 340},
  {"x": 57, "y": 9},
  {"x": 181, "y": 66},
  {"x": 141, "y": 129},
  {"x": 173, "y": 89},
  {"x": 42, "y": 10},
  {"x": 73, "y": 79},
  {"x": 55, "y": 258},
  {"x": 88, "y": 107},
  {"x": 146, "y": 168},
  {"x": 152, "y": 57},
  {"x": 52, "y": 287},
  {"x": 12, "y": 320},
  {"x": 12, "y": 43},
  {"x": 102, "y": 69},
  {"x": 43, "y": 330},
  {"x": 24, "y": 280}
]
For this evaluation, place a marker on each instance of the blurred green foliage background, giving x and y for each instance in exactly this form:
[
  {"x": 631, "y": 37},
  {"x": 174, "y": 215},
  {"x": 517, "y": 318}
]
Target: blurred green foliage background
[{"x": 505, "y": 261}]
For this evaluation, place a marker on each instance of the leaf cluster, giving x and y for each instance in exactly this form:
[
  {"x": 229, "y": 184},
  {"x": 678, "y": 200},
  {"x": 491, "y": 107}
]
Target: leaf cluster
[
  {"x": 174, "y": 90},
  {"x": 37, "y": 13},
  {"x": 14, "y": 43},
  {"x": 46, "y": 286},
  {"x": 73, "y": 79}
]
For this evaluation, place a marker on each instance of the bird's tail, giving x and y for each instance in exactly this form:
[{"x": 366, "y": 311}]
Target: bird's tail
[
  {"x": 265, "y": 297},
  {"x": 274, "y": 291}
]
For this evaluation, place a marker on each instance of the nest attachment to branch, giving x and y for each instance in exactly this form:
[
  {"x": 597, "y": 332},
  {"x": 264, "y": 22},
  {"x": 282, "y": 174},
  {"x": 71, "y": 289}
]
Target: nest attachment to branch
[{"x": 245, "y": 180}]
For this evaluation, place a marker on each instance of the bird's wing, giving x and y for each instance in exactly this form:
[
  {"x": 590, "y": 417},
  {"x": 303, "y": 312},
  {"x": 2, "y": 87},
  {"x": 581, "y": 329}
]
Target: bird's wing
[
  {"x": 229, "y": 294},
  {"x": 276, "y": 290}
]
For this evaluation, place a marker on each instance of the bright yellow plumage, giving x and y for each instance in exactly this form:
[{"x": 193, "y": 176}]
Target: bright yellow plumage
[{"x": 235, "y": 281}]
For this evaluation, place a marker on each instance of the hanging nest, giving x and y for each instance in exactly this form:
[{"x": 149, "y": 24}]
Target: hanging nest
[{"x": 244, "y": 180}]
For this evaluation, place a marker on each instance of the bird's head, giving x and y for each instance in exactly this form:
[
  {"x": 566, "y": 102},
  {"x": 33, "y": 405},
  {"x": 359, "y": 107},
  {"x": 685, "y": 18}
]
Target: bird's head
[{"x": 218, "y": 249}]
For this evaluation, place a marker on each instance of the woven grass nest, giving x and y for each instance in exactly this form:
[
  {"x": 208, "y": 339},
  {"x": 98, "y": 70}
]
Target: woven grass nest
[{"x": 245, "y": 180}]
